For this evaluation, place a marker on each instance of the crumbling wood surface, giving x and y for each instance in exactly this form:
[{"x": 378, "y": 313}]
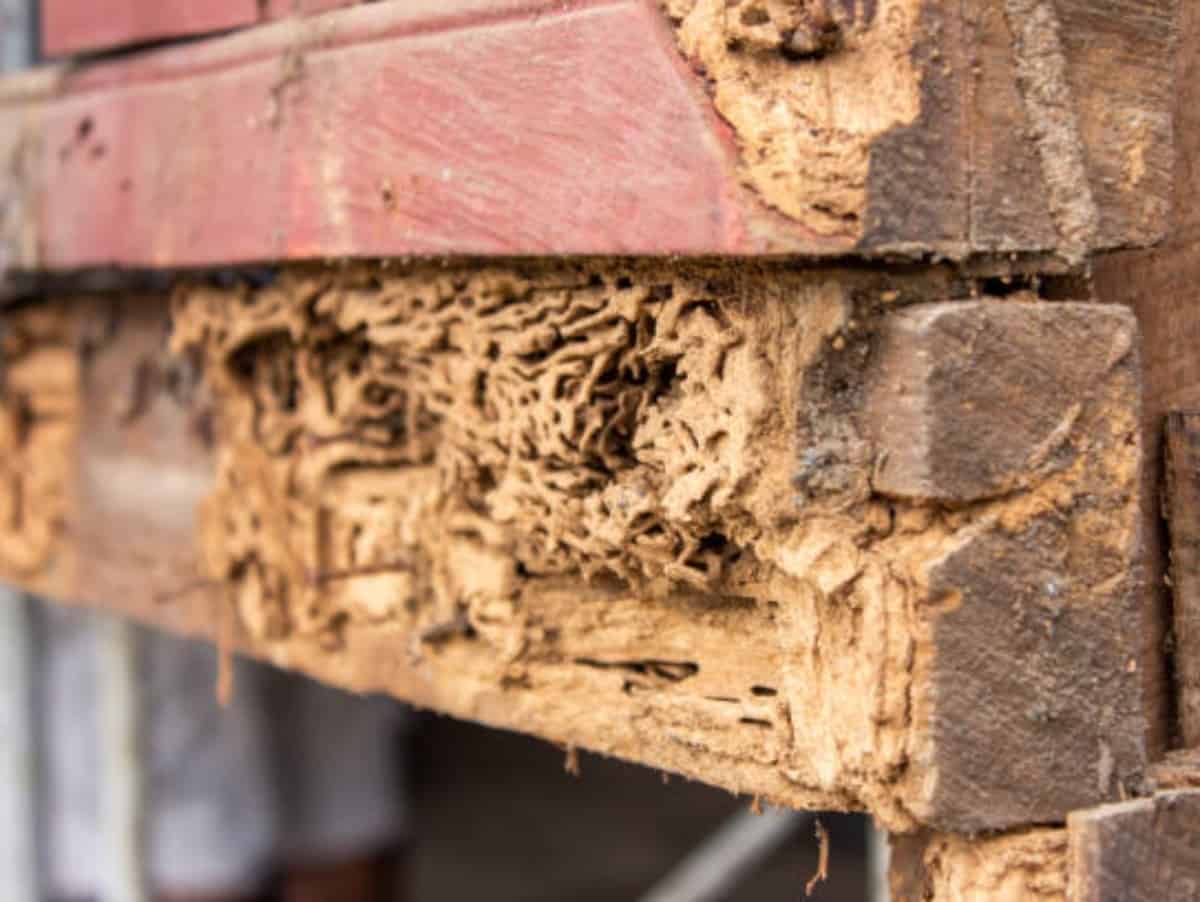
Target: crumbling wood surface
[
  {"x": 670, "y": 513},
  {"x": 1028, "y": 865},
  {"x": 1035, "y": 128},
  {"x": 1143, "y": 849},
  {"x": 1182, "y": 505}
]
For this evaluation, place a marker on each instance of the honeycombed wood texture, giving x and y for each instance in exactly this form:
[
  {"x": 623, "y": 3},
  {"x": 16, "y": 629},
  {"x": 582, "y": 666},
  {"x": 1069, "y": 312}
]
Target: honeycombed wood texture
[
  {"x": 69, "y": 26},
  {"x": 1036, "y": 128},
  {"x": 666, "y": 513},
  {"x": 1182, "y": 504}
]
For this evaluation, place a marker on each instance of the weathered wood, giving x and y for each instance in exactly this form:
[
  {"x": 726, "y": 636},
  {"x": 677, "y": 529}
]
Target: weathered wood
[
  {"x": 69, "y": 26},
  {"x": 1160, "y": 285},
  {"x": 1183, "y": 516},
  {"x": 1143, "y": 849},
  {"x": 567, "y": 498},
  {"x": 1146, "y": 849},
  {"x": 72, "y": 27},
  {"x": 1024, "y": 866},
  {"x": 504, "y": 126},
  {"x": 1069, "y": 112},
  {"x": 1178, "y": 769}
]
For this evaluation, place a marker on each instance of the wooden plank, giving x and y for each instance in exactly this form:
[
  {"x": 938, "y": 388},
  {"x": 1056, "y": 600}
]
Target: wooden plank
[
  {"x": 71, "y": 27},
  {"x": 502, "y": 126},
  {"x": 1145, "y": 849},
  {"x": 1182, "y": 499},
  {"x": 567, "y": 497}
]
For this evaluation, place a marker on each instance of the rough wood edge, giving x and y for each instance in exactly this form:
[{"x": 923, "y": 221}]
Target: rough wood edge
[{"x": 907, "y": 584}]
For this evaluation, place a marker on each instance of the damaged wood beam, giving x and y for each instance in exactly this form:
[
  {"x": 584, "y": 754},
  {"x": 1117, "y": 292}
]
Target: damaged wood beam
[
  {"x": 1142, "y": 849},
  {"x": 504, "y": 127},
  {"x": 1029, "y": 865},
  {"x": 794, "y": 533}
]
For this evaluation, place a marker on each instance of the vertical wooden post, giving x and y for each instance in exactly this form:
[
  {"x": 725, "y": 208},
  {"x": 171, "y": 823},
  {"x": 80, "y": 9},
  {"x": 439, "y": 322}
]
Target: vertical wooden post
[
  {"x": 1145, "y": 849},
  {"x": 1182, "y": 506}
]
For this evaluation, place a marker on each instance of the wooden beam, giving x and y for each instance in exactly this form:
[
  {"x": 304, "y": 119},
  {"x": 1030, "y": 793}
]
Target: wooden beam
[
  {"x": 504, "y": 127},
  {"x": 1144, "y": 849},
  {"x": 567, "y": 498},
  {"x": 70, "y": 27}
]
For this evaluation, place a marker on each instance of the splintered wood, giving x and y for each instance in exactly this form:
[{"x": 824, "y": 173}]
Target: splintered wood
[{"x": 710, "y": 518}]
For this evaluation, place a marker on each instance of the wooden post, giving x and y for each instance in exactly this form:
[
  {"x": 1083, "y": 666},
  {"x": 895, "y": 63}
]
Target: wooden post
[{"x": 1182, "y": 505}]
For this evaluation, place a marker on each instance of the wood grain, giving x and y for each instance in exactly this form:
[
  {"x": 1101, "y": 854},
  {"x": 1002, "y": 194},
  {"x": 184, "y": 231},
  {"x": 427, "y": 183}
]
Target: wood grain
[
  {"x": 292, "y": 154},
  {"x": 1145, "y": 850},
  {"x": 71, "y": 27},
  {"x": 499, "y": 126},
  {"x": 1160, "y": 285},
  {"x": 1182, "y": 506}
]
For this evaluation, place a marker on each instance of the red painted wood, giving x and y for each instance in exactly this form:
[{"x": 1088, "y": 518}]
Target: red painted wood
[
  {"x": 75, "y": 26},
  {"x": 78, "y": 26},
  {"x": 472, "y": 127}
]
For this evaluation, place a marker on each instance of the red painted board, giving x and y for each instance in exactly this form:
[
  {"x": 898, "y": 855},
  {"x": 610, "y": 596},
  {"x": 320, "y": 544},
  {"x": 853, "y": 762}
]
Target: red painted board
[
  {"x": 87, "y": 26},
  {"x": 472, "y": 127}
]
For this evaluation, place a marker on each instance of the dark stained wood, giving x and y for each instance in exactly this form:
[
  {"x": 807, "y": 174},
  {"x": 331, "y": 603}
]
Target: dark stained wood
[
  {"x": 979, "y": 401},
  {"x": 1182, "y": 503},
  {"x": 1145, "y": 850},
  {"x": 991, "y": 392},
  {"x": 1162, "y": 286}
]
